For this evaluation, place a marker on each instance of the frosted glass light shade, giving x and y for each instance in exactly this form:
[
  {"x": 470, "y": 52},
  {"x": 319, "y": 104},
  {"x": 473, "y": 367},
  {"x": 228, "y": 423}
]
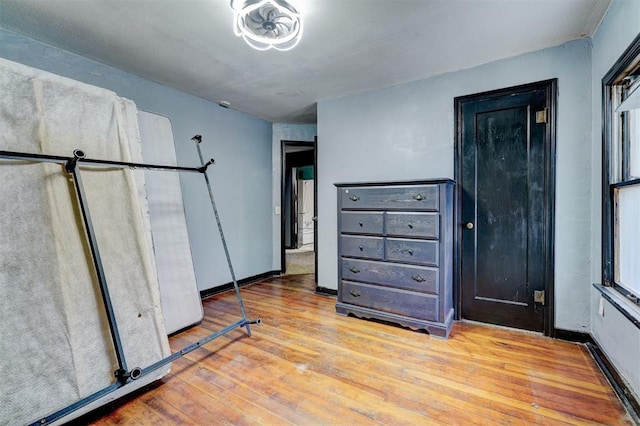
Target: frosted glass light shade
[{"x": 266, "y": 24}]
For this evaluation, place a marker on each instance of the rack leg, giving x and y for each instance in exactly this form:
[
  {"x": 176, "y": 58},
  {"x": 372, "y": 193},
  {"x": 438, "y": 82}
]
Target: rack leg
[
  {"x": 122, "y": 374},
  {"x": 197, "y": 140}
]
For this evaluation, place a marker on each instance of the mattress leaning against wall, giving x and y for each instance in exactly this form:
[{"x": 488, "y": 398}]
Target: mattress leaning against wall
[
  {"x": 55, "y": 346},
  {"x": 181, "y": 303}
]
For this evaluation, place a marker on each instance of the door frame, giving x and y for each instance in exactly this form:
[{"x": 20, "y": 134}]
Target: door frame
[
  {"x": 283, "y": 170},
  {"x": 551, "y": 88}
]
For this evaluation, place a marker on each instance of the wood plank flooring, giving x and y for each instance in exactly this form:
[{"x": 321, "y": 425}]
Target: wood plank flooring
[{"x": 308, "y": 366}]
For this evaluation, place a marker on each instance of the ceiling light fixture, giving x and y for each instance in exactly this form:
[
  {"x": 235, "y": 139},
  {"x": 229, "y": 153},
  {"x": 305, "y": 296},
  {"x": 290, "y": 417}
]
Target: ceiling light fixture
[{"x": 266, "y": 24}]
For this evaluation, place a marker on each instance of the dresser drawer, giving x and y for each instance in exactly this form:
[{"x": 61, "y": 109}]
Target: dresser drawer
[
  {"x": 361, "y": 223},
  {"x": 415, "y": 197},
  {"x": 401, "y": 302},
  {"x": 369, "y": 247},
  {"x": 412, "y": 251},
  {"x": 408, "y": 277},
  {"x": 421, "y": 225}
]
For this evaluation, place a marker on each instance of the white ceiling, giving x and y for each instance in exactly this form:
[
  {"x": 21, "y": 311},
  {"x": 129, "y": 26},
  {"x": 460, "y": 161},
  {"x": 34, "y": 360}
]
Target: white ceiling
[{"x": 348, "y": 46}]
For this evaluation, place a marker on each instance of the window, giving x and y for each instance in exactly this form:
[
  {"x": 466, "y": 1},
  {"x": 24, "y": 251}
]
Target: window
[{"x": 621, "y": 175}]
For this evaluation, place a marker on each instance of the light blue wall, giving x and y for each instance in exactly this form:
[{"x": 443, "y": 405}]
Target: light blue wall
[
  {"x": 240, "y": 144},
  {"x": 617, "y": 337},
  {"x": 407, "y": 132},
  {"x": 287, "y": 132}
]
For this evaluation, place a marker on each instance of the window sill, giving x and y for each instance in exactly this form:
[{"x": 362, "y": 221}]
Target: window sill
[{"x": 626, "y": 307}]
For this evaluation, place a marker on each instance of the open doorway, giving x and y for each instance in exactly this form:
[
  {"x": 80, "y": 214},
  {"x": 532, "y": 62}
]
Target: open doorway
[{"x": 299, "y": 208}]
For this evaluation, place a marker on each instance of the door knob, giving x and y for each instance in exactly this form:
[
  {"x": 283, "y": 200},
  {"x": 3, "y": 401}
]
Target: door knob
[{"x": 469, "y": 225}]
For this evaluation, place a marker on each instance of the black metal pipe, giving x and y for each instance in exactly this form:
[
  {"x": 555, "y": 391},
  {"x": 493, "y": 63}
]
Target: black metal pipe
[
  {"x": 142, "y": 166},
  {"x": 44, "y": 158},
  {"x": 102, "y": 279},
  {"x": 40, "y": 158},
  {"x": 198, "y": 140},
  {"x": 193, "y": 346},
  {"x": 78, "y": 404}
]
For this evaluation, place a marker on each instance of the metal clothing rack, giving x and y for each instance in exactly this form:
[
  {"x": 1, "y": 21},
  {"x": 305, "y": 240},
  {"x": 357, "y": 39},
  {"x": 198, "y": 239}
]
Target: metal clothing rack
[{"x": 124, "y": 375}]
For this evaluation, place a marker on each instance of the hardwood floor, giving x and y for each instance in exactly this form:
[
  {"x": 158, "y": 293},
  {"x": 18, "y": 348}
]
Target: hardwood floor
[{"x": 307, "y": 366}]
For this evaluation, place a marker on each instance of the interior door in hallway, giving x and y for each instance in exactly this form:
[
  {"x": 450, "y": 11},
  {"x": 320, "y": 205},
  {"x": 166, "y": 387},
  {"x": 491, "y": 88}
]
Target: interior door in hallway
[{"x": 505, "y": 175}]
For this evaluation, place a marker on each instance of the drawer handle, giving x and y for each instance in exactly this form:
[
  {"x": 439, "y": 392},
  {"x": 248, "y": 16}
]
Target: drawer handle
[
  {"x": 407, "y": 251},
  {"x": 410, "y": 226},
  {"x": 361, "y": 248},
  {"x": 418, "y": 197},
  {"x": 355, "y": 293},
  {"x": 354, "y": 198},
  {"x": 360, "y": 223},
  {"x": 418, "y": 278},
  {"x": 354, "y": 270}
]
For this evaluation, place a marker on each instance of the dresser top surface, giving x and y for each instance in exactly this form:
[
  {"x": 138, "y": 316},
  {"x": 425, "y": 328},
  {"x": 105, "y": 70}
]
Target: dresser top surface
[{"x": 398, "y": 183}]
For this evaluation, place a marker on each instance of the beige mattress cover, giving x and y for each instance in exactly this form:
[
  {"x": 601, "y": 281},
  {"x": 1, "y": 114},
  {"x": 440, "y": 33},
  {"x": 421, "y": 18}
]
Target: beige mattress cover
[{"x": 55, "y": 346}]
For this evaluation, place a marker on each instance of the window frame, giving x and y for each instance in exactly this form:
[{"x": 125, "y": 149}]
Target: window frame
[{"x": 616, "y": 161}]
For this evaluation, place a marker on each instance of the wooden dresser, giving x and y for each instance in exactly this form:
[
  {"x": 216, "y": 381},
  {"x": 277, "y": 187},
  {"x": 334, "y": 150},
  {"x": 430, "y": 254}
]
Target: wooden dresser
[{"x": 395, "y": 253}]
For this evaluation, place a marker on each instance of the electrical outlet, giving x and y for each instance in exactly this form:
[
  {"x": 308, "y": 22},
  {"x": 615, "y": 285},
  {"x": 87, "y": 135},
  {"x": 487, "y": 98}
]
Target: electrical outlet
[{"x": 601, "y": 307}]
